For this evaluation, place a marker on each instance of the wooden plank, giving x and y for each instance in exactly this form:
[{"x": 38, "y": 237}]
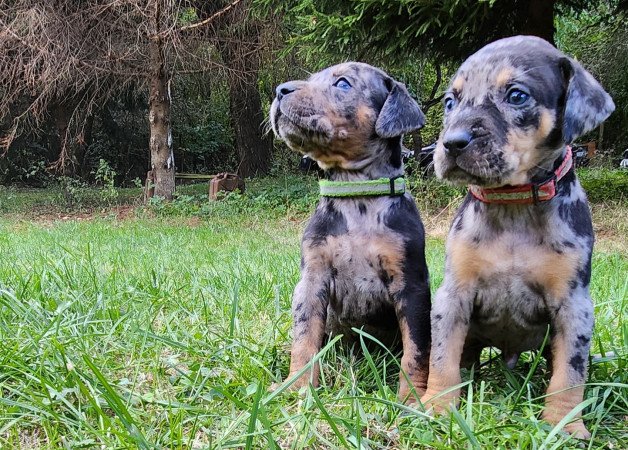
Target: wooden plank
[{"x": 194, "y": 176}]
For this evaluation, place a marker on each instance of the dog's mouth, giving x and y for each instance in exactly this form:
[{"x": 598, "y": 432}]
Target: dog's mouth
[
  {"x": 301, "y": 132},
  {"x": 474, "y": 166}
]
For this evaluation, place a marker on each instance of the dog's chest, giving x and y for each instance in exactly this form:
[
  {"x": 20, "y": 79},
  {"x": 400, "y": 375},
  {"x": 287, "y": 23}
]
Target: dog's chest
[
  {"x": 364, "y": 259},
  {"x": 517, "y": 281}
]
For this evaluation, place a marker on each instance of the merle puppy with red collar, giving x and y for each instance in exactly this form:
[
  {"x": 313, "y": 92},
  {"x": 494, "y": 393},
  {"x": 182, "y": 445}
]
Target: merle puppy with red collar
[
  {"x": 519, "y": 250},
  {"x": 362, "y": 253}
]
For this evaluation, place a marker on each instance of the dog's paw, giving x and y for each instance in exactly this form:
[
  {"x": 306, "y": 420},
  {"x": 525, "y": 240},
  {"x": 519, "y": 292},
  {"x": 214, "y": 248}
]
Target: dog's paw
[
  {"x": 438, "y": 405},
  {"x": 273, "y": 387},
  {"x": 409, "y": 396},
  {"x": 577, "y": 430},
  {"x": 297, "y": 385}
]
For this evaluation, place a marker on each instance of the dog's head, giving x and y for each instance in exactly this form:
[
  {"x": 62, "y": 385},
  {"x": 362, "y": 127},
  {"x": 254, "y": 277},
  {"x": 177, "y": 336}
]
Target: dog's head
[
  {"x": 510, "y": 109},
  {"x": 336, "y": 115}
]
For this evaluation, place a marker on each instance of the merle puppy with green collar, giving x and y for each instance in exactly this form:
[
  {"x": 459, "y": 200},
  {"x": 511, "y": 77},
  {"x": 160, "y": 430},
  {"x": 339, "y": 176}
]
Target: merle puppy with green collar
[{"x": 363, "y": 260}]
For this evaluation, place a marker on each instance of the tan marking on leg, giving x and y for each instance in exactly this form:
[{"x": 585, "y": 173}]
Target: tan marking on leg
[
  {"x": 564, "y": 393},
  {"x": 304, "y": 348},
  {"x": 466, "y": 262},
  {"x": 411, "y": 369},
  {"x": 444, "y": 372}
]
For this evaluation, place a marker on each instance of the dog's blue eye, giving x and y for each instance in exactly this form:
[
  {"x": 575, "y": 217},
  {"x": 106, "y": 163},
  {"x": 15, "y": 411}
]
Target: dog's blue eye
[
  {"x": 517, "y": 97},
  {"x": 343, "y": 84},
  {"x": 449, "y": 104}
]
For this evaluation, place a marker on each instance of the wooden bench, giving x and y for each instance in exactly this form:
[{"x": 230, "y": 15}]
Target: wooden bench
[{"x": 220, "y": 182}]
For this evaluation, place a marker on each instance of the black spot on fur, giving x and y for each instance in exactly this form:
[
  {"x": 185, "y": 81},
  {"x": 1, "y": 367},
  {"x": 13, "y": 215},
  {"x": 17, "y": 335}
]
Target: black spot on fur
[
  {"x": 566, "y": 184},
  {"x": 461, "y": 211},
  {"x": 584, "y": 274},
  {"x": 557, "y": 248},
  {"x": 577, "y": 363},
  {"x": 302, "y": 318},
  {"x": 362, "y": 208},
  {"x": 577, "y": 216},
  {"x": 394, "y": 146},
  {"x": 326, "y": 221},
  {"x": 438, "y": 317},
  {"x": 527, "y": 118},
  {"x": 573, "y": 284},
  {"x": 582, "y": 340},
  {"x": 384, "y": 277},
  {"x": 536, "y": 288}
]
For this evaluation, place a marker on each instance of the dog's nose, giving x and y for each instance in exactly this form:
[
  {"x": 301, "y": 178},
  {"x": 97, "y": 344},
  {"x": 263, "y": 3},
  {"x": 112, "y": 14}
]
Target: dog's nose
[
  {"x": 285, "y": 89},
  {"x": 455, "y": 141}
]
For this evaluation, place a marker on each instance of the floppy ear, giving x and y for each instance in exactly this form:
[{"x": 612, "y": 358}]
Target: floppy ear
[
  {"x": 587, "y": 104},
  {"x": 400, "y": 113}
]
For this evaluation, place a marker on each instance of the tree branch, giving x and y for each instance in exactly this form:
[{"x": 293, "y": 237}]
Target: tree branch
[{"x": 211, "y": 18}]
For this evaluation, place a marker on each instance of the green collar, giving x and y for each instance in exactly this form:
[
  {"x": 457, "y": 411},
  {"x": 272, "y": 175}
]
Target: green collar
[{"x": 382, "y": 186}]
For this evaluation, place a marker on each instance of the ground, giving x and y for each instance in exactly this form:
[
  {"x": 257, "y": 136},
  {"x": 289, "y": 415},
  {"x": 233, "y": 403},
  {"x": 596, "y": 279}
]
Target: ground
[{"x": 164, "y": 327}]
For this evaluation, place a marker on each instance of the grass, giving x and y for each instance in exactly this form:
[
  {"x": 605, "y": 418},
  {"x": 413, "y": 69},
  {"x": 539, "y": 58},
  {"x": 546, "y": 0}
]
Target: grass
[{"x": 165, "y": 330}]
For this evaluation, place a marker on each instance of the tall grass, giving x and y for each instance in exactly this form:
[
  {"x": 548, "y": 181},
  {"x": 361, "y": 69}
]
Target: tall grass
[{"x": 166, "y": 330}]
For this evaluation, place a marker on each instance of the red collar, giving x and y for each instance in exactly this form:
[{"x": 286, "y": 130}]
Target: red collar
[{"x": 525, "y": 193}]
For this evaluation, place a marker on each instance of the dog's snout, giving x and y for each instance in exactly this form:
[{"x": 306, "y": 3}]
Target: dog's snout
[
  {"x": 285, "y": 89},
  {"x": 455, "y": 141}
]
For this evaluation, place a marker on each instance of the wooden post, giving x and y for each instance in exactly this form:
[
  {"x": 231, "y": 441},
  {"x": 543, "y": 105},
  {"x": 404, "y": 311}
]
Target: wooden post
[{"x": 149, "y": 186}]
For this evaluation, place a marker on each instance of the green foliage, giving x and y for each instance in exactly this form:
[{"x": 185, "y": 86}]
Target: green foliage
[
  {"x": 105, "y": 177},
  {"x": 598, "y": 38},
  {"x": 603, "y": 184},
  {"x": 287, "y": 195},
  {"x": 394, "y": 30},
  {"x": 432, "y": 194},
  {"x": 203, "y": 138}
]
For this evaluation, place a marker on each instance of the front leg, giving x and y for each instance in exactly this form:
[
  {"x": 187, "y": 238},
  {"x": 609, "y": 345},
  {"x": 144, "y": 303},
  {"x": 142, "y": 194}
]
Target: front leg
[
  {"x": 309, "y": 313},
  {"x": 451, "y": 314},
  {"x": 572, "y": 327},
  {"x": 413, "y": 313}
]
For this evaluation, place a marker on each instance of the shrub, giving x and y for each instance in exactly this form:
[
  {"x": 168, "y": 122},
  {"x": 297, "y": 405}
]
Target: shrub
[{"x": 603, "y": 184}]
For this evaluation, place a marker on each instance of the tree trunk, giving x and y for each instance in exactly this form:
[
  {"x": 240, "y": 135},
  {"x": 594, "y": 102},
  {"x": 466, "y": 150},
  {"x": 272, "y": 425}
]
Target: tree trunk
[
  {"x": 540, "y": 19},
  {"x": 253, "y": 147},
  {"x": 160, "y": 144}
]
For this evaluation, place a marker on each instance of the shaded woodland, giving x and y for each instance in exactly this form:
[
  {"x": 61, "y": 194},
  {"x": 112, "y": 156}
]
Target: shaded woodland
[{"x": 184, "y": 85}]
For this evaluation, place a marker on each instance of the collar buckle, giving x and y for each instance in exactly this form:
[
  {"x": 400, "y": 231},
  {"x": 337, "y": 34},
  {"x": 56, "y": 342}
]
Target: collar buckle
[{"x": 393, "y": 191}]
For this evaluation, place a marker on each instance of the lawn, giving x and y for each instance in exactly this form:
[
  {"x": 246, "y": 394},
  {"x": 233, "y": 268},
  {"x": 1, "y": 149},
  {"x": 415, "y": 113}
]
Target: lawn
[{"x": 165, "y": 329}]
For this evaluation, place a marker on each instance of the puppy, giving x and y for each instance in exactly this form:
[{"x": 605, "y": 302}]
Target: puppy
[
  {"x": 519, "y": 250},
  {"x": 362, "y": 253}
]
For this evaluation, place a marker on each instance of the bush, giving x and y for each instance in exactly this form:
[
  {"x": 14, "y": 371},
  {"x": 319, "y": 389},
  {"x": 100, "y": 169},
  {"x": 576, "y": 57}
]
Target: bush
[
  {"x": 603, "y": 185},
  {"x": 289, "y": 195}
]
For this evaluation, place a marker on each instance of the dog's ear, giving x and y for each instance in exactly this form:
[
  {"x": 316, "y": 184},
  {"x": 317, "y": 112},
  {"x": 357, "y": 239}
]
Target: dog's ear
[
  {"x": 587, "y": 104},
  {"x": 400, "y": 113}
]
